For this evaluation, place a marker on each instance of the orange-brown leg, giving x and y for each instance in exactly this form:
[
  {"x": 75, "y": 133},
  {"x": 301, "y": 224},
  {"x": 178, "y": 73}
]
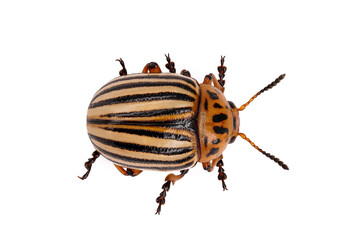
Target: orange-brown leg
[
  {"x": 129, "y": 171},
  {"x": 209, "y": 166},
  {"x": 171, "y": 178},
  {"x": 170, "y": 64},
  {"x": 212, "y": 79},
  {"x": 185, "y": 73},
  {"x": 152, "y": 67},
  {"x": 89, "y": 164}
]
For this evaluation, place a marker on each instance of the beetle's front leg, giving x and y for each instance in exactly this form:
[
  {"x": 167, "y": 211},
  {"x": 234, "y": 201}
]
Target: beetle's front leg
[
  {"x": 222, "y": 70},
  {"x": 171, "y": 178},
  {"x": 222, "y": 176},
  {"x": 212, "y": 79},
  {"x": 209, "y": 166}
]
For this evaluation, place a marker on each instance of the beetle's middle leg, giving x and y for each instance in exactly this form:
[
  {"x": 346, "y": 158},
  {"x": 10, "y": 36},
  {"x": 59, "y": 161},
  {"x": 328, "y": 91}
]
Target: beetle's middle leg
[
  {"x": 170, "y": 64},
  {"x": 171, "y": 178},
  {"x": 129, "y": 171},
  {"x": 123, "y": 71}
]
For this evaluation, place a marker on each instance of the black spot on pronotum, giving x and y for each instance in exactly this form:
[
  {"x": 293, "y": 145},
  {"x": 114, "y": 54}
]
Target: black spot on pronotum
[
  {"x": 212, "y": 95},
  {"x": 216, "y": 105},
  {"x": 205, "y": 141},
  {"x": 234, "y": 123},
  {"x": 206, "y": 104},
  {"x": 220, "y": 130},
  {"x": 216, "y": 141},
  {"x": 219, "y": 117},
  {"x": 212, "y": 151},
  {"x": 232, "y": 139}
]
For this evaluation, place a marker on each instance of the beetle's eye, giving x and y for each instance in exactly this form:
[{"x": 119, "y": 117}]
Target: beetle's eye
[
  {"x": 232, "y": 139},
  {"x": 232, "y": 105}
]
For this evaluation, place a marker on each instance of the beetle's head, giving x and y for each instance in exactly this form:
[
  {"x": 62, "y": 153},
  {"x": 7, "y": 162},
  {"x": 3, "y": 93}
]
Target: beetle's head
[{"x": 236, "y": 121}]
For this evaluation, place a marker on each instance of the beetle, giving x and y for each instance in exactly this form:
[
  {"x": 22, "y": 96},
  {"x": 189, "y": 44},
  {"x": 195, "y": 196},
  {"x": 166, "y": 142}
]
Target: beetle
[{"x": 165, "y": 122}]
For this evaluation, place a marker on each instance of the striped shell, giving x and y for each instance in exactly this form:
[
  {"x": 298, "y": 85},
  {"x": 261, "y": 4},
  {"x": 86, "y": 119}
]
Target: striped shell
[{"x": 146, "y": 121}]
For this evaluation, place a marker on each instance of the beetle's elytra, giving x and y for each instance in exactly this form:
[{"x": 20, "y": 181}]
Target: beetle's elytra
[{"x": 165, "y": 122}]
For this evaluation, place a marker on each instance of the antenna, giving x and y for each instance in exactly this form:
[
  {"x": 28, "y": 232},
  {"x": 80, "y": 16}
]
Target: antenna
[
  {"x": 273, "y": 84},
  {"x": 272, "y": 157}
]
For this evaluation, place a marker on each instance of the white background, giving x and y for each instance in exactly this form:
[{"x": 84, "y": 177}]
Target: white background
[{"x": 55, "y": 55}]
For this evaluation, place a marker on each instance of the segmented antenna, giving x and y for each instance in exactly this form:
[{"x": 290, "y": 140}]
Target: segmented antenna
[
  {"x": 273, "y": 84},
  {"x": 272, "y": 157}
]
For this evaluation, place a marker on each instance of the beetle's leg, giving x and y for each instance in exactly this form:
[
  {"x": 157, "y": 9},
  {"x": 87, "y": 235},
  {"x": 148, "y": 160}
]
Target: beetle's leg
[
  {"x": 222, "y": 176},
  {"x": 170, "y": 65},
  {"x": 129, "y": 171},
  {"x": 89, "y": 163},
  {"x": 212, "y": 79},
  {"x": 209, "y": 166},
  {"x": 123, "y": 71},
  {"x": 166, "y": 187},
  {"x": 219, "y": 163},
  {"x": 152, "y": 67},
  {"x": 222, "y": 70},
  {"x": 185, "y": 73}
]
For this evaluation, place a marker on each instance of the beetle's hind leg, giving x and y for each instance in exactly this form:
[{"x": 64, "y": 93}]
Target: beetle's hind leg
[
  {"x": 129, "y": 171},
  {"x": 89, "y": 164},
  {"x": 170, "y": 64},
  {"x": 171, "y": 178}
]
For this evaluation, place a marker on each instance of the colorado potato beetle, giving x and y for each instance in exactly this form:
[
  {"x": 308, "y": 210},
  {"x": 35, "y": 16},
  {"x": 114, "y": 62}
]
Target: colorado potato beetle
[{"x": 165, "y": 122}]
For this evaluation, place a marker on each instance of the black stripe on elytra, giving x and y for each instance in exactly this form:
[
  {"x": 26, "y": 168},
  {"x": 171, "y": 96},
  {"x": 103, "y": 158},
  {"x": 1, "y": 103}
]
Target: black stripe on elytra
[
  {"x": 144, "y": 98},
  {"x": 145, "y": 161},
  {"x": 151, "y": 113},
  {"x": 220, "y": 117},
  {"x": 205, "y": 141},
  {"x": 153, "y": 76},
  {"x": 149, "y": 133},
  {"x": 213, "y": 151},
  {"x": 144, "y": 84},
  {"x": 220, "y": 130},
  {"x": 141, "y": 148},
  {"x": 216, "y": 141},
  {"x": 212, "y": 95},
  {"x": 206, "y": 104},
  {"x": 185, "y": 124},
  {"x": 216, "y": 105}
]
